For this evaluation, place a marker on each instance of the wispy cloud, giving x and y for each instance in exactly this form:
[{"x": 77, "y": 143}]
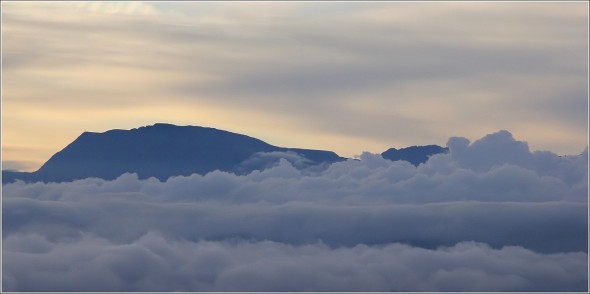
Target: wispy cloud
[{"x": 353, "y": 71}]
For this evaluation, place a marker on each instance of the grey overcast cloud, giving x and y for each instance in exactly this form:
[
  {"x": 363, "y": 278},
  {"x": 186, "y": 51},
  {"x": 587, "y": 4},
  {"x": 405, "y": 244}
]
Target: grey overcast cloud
[
  {"x": 516, "y": 221},
  {"x": 345, "y": 76}
]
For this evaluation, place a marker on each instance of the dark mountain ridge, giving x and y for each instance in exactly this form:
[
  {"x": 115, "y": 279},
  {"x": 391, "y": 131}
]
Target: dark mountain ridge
[
  {"x": 414, "y": 154},
  {"x": 161, "y": 151},
  {"x": 165, "y": 150}
]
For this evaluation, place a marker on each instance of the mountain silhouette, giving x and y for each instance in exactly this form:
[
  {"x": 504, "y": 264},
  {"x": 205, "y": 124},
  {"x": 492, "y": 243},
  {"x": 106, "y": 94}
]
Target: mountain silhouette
[
  {"x": 414, "y": 154},
  {"x": 161, "y": 151},
  {"x": 165, "y": 150}
]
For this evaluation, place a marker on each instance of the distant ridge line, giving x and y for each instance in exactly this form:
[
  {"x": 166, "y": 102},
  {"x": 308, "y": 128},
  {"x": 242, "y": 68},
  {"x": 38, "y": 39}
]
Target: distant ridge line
[{"x": 164, "y": 150}]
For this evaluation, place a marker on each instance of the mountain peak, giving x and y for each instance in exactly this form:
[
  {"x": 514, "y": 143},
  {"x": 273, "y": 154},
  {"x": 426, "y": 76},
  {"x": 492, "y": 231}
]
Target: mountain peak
[
  {"x": 414, "y": 154},
  {"x": 161, "y": 151}
]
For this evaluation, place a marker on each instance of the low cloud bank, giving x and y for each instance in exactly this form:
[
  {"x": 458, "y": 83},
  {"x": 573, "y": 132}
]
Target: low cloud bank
[
  {"x": 487, "y": 216},
  {"x": 156, "y": 263},
  {"x": 545, "y": 227}
]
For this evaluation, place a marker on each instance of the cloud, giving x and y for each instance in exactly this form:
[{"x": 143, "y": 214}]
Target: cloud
[
  {"x": 264, "y": 160},
  {"x": 347, "y": 70},
  {"x": 156, "y": 263},
  {"x": 545, "y": 227},
  {"x": 501, "y": 148},
  {"x": 18, "y": 165},
  {"x": 477, "y": 214}
]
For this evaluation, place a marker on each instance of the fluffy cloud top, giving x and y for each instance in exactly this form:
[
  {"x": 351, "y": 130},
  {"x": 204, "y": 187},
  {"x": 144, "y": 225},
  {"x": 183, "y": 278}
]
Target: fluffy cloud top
[
  {"x": 157, "y": 263},
  {"x": 491, "y": 213}
]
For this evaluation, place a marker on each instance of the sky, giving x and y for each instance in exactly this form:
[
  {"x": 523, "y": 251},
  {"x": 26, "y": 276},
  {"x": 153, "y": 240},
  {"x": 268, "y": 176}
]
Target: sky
[{"x": 347, "y": 76}]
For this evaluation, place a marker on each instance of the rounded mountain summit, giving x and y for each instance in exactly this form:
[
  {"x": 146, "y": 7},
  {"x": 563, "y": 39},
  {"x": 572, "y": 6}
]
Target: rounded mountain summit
[{"x": 165, "y": 150}]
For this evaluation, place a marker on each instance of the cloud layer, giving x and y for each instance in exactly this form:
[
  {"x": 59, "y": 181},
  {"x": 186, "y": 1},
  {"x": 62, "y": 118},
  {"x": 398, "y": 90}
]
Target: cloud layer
[
  {"x": 157, "y": 263},
  {"x": 490, "y": 212},
  {"x": 333, "y": 76}
]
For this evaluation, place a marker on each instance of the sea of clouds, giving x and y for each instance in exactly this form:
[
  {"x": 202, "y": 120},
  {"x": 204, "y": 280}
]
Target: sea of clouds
[{"x": 488, "y": 216}]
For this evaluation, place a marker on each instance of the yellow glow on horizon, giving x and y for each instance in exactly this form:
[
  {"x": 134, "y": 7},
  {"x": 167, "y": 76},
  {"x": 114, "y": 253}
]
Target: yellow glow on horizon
[
  {"x": 58, "y": 131},
  {"x": 364, "y": 77}
]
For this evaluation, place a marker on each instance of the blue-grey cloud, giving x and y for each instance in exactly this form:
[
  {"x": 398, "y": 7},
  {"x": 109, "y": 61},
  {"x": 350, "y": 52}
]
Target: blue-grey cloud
[
  {"x": 357, "y": 224},
  {"x": 545, "y": 227},
  {"x": 156, "y": 263},
  {"x": 264, "y": 160}
]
